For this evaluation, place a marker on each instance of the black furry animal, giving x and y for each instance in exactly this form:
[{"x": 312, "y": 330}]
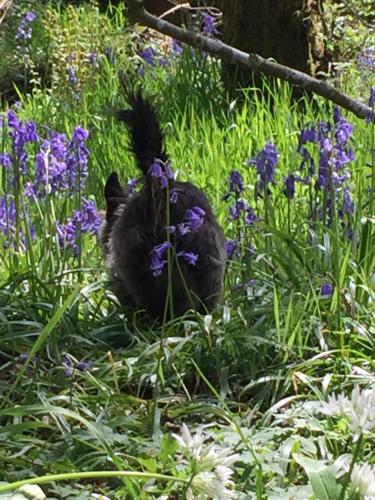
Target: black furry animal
[{"x": 134, "y": 225}]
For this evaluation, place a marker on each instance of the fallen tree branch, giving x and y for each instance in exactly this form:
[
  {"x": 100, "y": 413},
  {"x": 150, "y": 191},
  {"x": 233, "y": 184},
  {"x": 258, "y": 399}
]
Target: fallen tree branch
[{"x": 138, "y": 13}]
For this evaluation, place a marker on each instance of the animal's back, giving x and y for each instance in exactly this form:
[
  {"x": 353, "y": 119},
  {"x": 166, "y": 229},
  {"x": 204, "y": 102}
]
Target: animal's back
[{"x": 135, "y": 226}]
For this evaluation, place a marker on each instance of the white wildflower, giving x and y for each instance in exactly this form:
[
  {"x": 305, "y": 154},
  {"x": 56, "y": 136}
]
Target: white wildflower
[
  {"x": 359, "y": 409},
  {"x": 336, "y": 405},
  {"x": 207, "y": 484},
  {"x": 28, "y": 491},
  {"x": 210, "y": 466},
  {"x": 363, "y": 481}
]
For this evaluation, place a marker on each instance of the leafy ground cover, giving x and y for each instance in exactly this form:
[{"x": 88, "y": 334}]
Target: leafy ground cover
[{"x": 239, "y": 403}]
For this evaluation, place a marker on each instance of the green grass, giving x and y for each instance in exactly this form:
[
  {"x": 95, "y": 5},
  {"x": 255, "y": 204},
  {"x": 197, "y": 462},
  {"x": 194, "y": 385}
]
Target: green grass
[{"x": 254, "y": 372}]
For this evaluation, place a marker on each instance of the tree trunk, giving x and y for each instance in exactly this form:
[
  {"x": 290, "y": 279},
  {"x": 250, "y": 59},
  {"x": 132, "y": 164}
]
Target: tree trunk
[{"x": 289, "y": 31}]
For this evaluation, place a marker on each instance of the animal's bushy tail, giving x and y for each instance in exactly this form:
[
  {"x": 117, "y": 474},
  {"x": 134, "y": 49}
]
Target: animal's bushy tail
[{"x": 146, "y": 134}]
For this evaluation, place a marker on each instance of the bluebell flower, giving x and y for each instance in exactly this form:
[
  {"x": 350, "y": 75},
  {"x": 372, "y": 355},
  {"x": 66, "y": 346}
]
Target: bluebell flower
[
  {"x": 72, "y": 75},
  {"x": 84, "y": 365},
  {"x": 251, "y": 218},
  {"x": 89, "y": 217},
  {"x": 237, "y": 208},
  {"x": 348, "y": 206},
  {"x": 232, "y": 248},
  {"x": 371, "y": 101},
  {"x": 85, "y": 220},
  {"x": 326, "y": 290},
  {"x": 290, "y": 186},
  {"x": 7, "y": 215},
  {"x": 265, "y": 162},
  {"x": 157, "y": 261},
  {"x": 21, "y": 133},
  {"x": 190, "y": 257},
  {"x": 77, "y": 160},
  {"x": 193, "y": 220},
  {"x": 235, "y": 182},
  {"x": 209, "y": 28},
  {"x": 309, "y": 134},
  {"x": 366, "y": 59},
  {"x": 162, "y": 172},
  {"x": 343, "y": 129},
  {"x": 5, "y": 160},
  {"x": 92, "y": 58},
  {"x": 148, "y": 55},
  {"x": 24, "y": 32},
  {"x": 176, "y": 48}
]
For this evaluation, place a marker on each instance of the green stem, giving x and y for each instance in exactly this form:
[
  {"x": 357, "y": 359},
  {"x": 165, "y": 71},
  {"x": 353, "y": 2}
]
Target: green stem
[
  {"x": 87, "y": 475},
  {"x": 354, "y": 459}
]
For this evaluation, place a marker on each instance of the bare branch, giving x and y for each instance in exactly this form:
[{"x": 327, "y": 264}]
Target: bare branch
[{"x": 255, "y": 62}]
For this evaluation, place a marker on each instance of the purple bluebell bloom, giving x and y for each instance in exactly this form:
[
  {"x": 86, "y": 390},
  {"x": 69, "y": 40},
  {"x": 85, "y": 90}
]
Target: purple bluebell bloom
[
  {"x": 157, "y": 261},
  {"x": 148, "y": 55},
  {"x": 92, "y": 58},
  {"x": 209, "y": 28},
  {"x": 7, "y": 215},
  {"x": 237, "y": 208},
  {"x": 72, "y": 75},
  {"x": 190, "y": 257},
  {"x": 21, "y": 133},
  {"x": 348, "y": 206},
  {"x": 5, "y": 160},
  {"x": 251, "y": 218},
  {"x": 326, "y": 290},
  {"x": 84, "y": 365},
  {"x": 308, "y": 134},
  {"x": 343, "y": 129},
  {"x": 366, "y": 59},
  {"x": 371, "y": 101},
  {"x": 235, "y": 182},
  {"x": 193, "y": 220},
  {"x": 176, "y": 48},
  {"x": 89, "y": 217},
  {"x": 77, "y": 160},
  {"x": 85, "y": 220},
  {"x": 161, "y": 172},
  {"x": 24, "y": 32},
  {"x": 290, "y": 186},
  {"x": 265, "y": 162},
  {"x": 232, "y": 248}
]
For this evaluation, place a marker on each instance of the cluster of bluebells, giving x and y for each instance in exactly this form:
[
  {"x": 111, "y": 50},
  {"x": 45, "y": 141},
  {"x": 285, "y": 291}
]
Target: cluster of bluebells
[
  {"x": 24, "y": 32},
  {"x": 161, "y": 171},
  {"x": 191, "y": 223},
  {"x": 20, "y": 134},
  {"x": 239, "y": 210},
  {"x": 60, "y": 168},
  {"x": 70, "y": 365},
  {"x": 152, "y": 57},
  {"x": 85, "y": 220},
  {"x": 265, "y": 162},
  {"x": 60, "y": 165},
  {"x": 331, "y": 175},
  {"x": 366, "y": 59}
]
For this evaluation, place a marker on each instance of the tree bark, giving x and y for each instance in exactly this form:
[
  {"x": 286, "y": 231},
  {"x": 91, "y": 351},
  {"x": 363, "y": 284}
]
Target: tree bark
[
  {"x": 138, "y": 13},
  {"x": 289, "y": 31}
]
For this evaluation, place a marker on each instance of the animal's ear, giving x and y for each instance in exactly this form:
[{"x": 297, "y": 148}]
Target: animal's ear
[{"x": 113, "y": 187}]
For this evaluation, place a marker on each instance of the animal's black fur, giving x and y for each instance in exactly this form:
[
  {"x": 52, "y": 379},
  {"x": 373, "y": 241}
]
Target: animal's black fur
[{"x": 134, "y": 225}]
